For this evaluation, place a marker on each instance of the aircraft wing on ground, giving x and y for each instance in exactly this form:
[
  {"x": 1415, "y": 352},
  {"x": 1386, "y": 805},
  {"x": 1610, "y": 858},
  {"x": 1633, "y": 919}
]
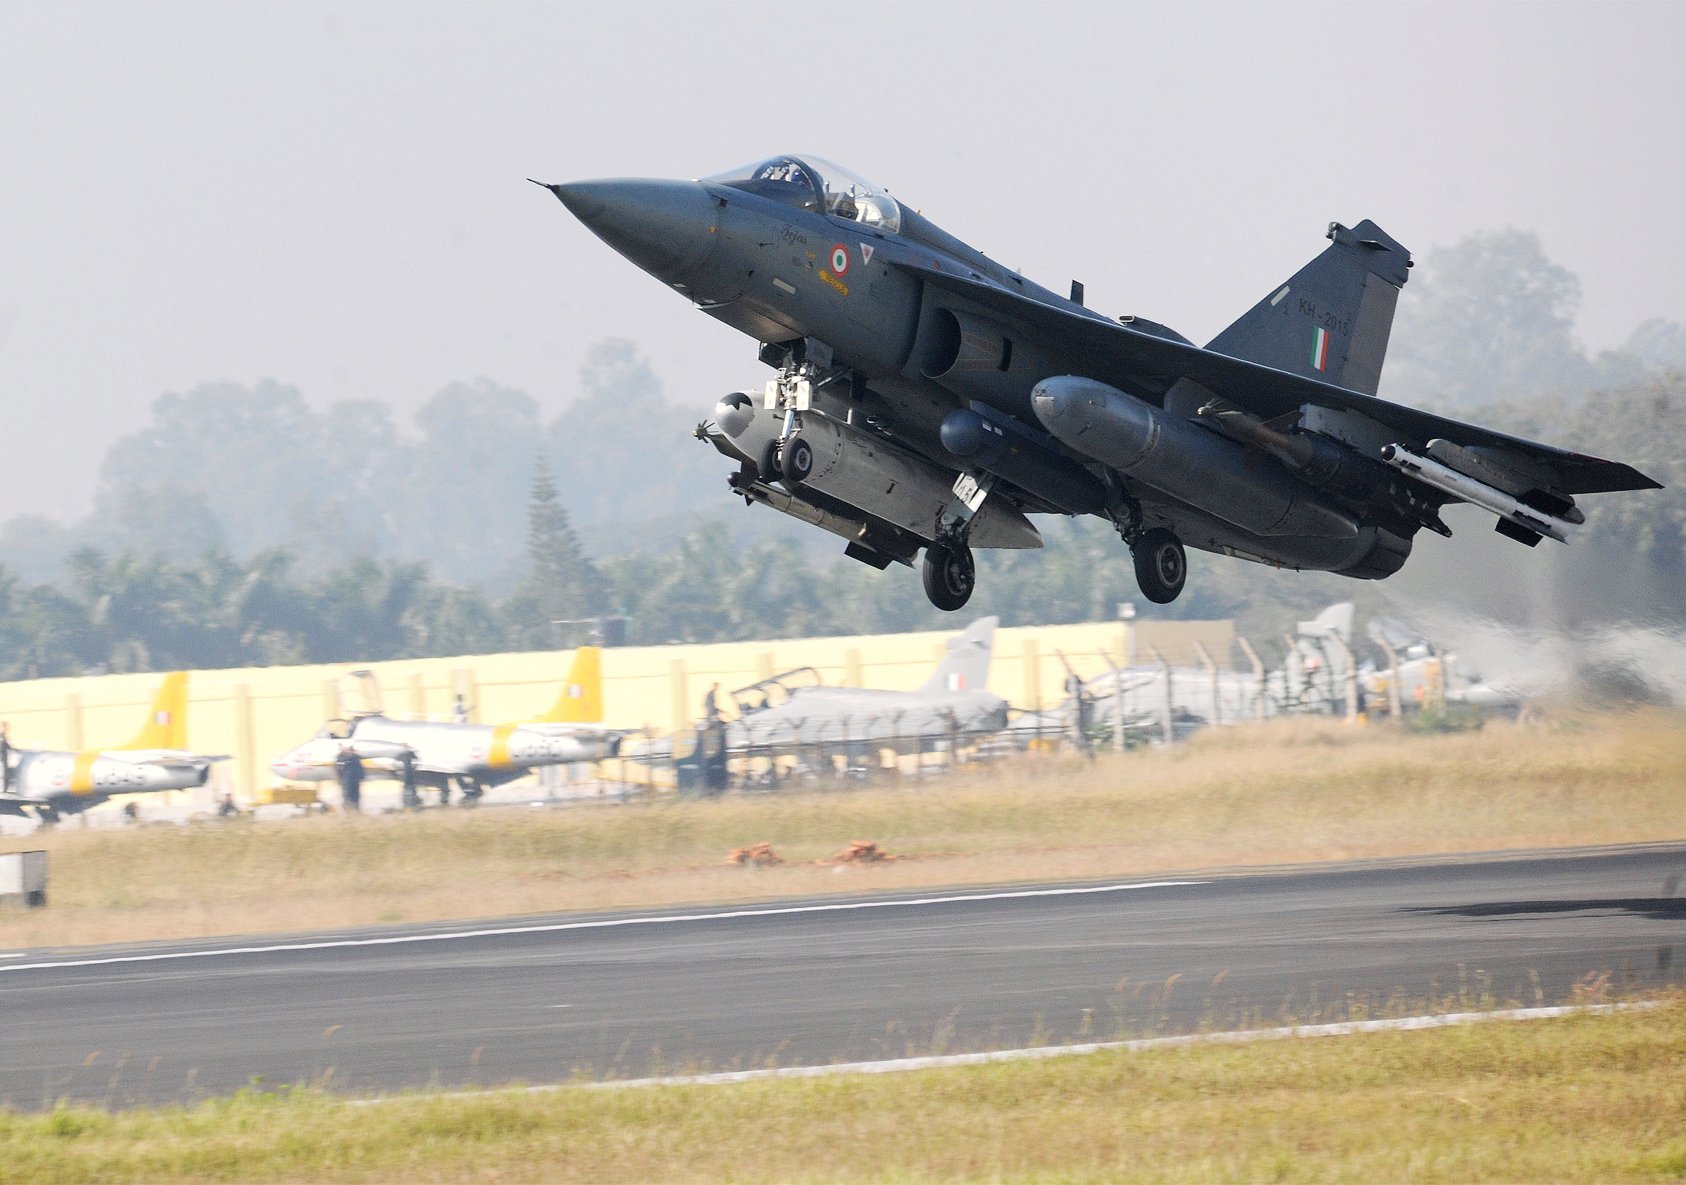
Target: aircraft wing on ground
[
  {"x": 551, "y": 728},
  {"x": 165, "y": 760},
  {"x": 1135, "y": 359}
]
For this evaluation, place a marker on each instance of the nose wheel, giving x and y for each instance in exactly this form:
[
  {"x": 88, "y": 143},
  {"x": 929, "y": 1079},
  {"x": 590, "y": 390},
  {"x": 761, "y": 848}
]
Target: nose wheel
[
  {"x": 949, "y": 575},
  {"x": 1161, "y": 565}
]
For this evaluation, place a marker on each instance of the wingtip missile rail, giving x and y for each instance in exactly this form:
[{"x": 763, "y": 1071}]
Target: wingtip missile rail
[{"x": 1510, "y": 510}]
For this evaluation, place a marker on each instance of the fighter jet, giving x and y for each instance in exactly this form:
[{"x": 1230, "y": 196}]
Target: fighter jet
[
  {"x": 792, "y": 713},
  {"x": 928, "y": 398},
  {"x": 52, "y": 783},
  {"x": 473, "y": 757}
]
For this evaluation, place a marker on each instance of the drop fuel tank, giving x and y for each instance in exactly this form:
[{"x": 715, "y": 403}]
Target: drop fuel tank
[{"x": 1190, "y": 463}]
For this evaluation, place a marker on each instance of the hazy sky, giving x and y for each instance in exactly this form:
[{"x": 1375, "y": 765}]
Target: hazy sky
[{"x": 332, "y": 194}]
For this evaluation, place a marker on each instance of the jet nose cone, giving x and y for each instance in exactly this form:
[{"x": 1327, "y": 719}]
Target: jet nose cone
[{"x": 665, "y": 227}]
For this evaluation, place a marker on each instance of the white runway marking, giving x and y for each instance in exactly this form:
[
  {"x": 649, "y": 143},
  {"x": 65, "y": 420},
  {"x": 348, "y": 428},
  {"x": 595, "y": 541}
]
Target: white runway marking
[
  {"x": 600, "y": 924},
  {"x": 902, "y": 1065}
]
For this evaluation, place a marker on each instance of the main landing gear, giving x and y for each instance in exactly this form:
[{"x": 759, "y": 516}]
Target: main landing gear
[
  {"x": 949, "y": 575},
  {"x": 1161, "y": 565}
]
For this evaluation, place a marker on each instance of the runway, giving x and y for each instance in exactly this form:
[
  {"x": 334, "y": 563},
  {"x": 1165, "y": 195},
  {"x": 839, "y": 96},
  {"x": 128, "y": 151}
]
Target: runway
[{"x": 810, "y": 982}]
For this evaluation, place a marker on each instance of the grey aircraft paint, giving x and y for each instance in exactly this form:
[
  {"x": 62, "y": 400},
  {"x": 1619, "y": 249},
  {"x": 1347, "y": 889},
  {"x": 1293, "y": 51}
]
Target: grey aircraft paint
[
  {"x": 929, "y": 399},
  {"x": 781, "y": 716}
]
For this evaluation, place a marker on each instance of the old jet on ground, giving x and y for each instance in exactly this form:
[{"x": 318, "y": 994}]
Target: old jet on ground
[
  {"x": 472, "y": 756},
  {"x": 793, "y": 715},
  {"x": 54, "y": 783},
  {"x": 929, "y": 398}
]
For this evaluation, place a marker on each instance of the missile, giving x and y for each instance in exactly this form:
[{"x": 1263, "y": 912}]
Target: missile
[{"x": 1477, "y": 493}]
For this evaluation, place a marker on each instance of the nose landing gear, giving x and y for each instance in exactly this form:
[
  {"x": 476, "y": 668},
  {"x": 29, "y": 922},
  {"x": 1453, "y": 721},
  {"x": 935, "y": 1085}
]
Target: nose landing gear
[{"x": 1161, "y": 565}]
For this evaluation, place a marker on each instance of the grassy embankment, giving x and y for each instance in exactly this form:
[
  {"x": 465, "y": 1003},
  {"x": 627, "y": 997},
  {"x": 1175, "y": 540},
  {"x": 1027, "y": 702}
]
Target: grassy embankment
[
  {"x": 1587, "y": 1098},
  {"x": 1282, "y": 793}
]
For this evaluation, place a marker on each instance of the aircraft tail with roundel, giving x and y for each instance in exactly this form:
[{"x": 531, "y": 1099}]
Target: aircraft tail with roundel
[
  {"x": 966, "y": 666},
  {"x": 166, "y": 727},
  {"x": 1332, "y": 319},
  {"x": 581, "y": 701}
]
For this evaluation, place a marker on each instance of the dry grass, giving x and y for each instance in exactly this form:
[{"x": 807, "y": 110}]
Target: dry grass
[
  {"x": 1289, "y": 792},
  {"x": 1589, "y": 1098}
]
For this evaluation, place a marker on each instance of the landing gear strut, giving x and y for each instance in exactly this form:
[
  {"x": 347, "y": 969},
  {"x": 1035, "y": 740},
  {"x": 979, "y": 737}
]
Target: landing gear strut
[
  {"x": 1161, "y": 565},
  {"x": 949, "y": 575}
]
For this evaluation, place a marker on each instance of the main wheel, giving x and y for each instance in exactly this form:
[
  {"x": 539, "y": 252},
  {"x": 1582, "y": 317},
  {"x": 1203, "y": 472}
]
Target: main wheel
[
  {"x": 1161, "y": 566},
  {"x": 949, "y": 575},
  {"x": 796, "y": 460}
]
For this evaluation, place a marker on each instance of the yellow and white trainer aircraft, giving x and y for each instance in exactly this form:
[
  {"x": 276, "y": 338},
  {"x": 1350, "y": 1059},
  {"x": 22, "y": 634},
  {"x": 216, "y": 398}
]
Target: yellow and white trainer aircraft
[
  {"x": 52, "y": 783},
  {"x": 473, "y": 756}
]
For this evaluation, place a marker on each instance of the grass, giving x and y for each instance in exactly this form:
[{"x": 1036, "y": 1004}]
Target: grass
[
  {"x": 1286, "y": 792},
  {"x": 1585, "y": 1098}
]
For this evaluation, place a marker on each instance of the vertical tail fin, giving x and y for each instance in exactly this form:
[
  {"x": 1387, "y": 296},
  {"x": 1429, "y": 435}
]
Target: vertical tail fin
[
  {"x": 966, "y": 667},
  {"x": 166, "y": 727},
  {"x": 581, "y": 701},
  {"x": 1331, "y": 321}
]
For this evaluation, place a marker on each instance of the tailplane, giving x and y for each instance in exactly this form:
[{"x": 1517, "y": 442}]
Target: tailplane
[
  {"x": 166, "y": 727},
  {"x": 1331, "y": 321},
  {"x": 966, "y": 667},
  {"x": 581, "y": 701}
]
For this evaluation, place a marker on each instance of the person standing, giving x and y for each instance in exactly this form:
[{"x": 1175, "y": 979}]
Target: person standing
[
  {"x": 407, "y": 774},
  {"x": 5, "y": 758},
  {"x": 349, "y": 766}
]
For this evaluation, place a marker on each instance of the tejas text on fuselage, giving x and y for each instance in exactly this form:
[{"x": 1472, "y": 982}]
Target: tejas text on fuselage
[{"x": 929, "y": 399}]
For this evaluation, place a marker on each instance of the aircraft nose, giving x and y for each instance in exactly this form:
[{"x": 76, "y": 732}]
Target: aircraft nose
[{"x": 665, "y": 227}]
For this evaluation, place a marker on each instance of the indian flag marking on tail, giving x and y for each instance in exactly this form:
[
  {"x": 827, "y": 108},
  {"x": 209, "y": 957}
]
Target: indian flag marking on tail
[{"x": 1319, "y": 348}]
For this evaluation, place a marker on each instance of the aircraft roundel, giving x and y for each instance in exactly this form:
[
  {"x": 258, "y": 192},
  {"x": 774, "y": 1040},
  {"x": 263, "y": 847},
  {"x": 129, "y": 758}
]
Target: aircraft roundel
[{"x": 839, "y": 260}]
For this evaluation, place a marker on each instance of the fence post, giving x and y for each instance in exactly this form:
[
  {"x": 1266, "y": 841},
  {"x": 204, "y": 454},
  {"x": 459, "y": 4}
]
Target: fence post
[
  {"x": 1293, "y": 673},
  {"x": 1167, "y": 710},
  {"x": 1117, "y": 707},
  {"x": 1212, "y": 671},
  {"x": 1350, "y": 678},
  {"x": 1258, "y": 675}
]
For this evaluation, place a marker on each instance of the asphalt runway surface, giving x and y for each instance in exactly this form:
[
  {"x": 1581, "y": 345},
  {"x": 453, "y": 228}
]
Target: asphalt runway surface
[{"x": 834, "y": 980}]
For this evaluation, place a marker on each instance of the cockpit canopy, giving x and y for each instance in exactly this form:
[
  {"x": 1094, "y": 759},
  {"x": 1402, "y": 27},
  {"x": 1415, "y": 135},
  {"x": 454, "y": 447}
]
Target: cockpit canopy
[{"x": 817, "y": 185}]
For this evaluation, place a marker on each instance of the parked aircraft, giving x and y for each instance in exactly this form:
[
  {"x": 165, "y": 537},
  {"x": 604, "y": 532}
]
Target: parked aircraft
[
  {"x": 793, "y": 714},
  {"x": 928, "y": 398},
  {"x": 470, "y": 756},
  {"x": 52, "y": 783}
]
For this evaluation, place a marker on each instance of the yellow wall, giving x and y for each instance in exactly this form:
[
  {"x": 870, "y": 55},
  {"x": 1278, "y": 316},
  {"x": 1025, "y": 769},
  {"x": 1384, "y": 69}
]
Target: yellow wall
[{"x": 257, "y": 713}]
